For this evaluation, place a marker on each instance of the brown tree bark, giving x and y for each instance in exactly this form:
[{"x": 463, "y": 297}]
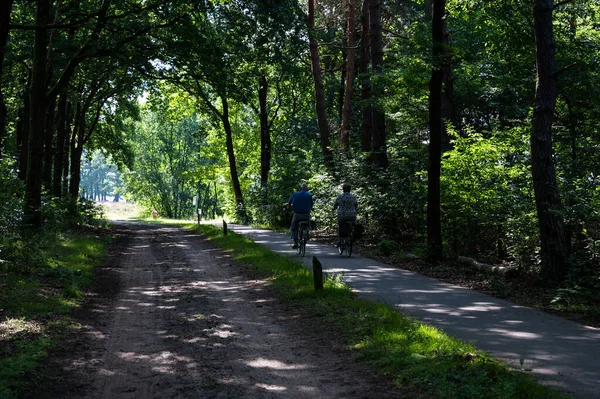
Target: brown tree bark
[
  {"x": 22, "y": 131},
  {"x": 76, "y": 152},
  {"x": 82, "y": 133},
  {"x": 5, "y": 10},
  {"x": 350, "y": 65},
  {"x": 448, "y": 109},
  {"x": 320, "y": 105},
  {"x": 265, "y": 134},
  {"x": 379, "y": 136},
  {"x": 38, "y": 101},
  {"x": 434, "y": 228},
  {"x": 49, "y": 144},
  {"x": 61, "y": 132},
  {"x": 547, "y": 199},
  {"x": 366, "y": 139},
  {"x": 237, "y": 189},
  {"x": 70, "y": 126}
]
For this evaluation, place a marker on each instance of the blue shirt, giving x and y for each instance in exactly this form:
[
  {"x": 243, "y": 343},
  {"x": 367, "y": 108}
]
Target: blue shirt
[{"x": 302, "y": 201}]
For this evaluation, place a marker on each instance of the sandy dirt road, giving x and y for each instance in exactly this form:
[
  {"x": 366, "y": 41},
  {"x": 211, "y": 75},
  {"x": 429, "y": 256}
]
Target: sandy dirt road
[{"x": 173, "y": 317}]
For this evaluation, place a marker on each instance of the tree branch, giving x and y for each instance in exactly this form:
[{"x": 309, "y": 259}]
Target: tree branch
[
  {"x": 564, "y": 70},
  {"x": 562, "y": 3}
]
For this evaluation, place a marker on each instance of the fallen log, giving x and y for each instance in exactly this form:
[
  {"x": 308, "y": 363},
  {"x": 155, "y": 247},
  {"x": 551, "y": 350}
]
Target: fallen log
[{"x": 482, "y": 266}]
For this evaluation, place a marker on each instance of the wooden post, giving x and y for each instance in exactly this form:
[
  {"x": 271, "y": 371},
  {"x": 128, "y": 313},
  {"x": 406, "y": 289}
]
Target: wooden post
[
  {"x": 224, "y": 228},
  {"x": 317, "y": 274}
]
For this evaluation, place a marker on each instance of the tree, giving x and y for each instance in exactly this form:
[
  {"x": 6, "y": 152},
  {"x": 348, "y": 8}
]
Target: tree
[
  {"x": 366, "y": 138},
  {"x": 378, "y": 115},
  {"x": 320, "y": 105},
  {"x": 547, "y": 198},
  {"x": 434, "y": 228},
  {"x": 350, "y": 62},
  {"x": 5, "y": 11}
]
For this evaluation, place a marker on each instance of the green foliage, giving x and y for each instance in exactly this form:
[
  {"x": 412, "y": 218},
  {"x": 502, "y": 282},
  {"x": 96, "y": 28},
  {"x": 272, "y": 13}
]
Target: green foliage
[
  {"x": 100, "y": 180},
  {"x": 168, "y": 168},
  {"x": 11, "y": 207},
  {"x": 36, "y": 296},
  {"x": 487, "y": 196}
]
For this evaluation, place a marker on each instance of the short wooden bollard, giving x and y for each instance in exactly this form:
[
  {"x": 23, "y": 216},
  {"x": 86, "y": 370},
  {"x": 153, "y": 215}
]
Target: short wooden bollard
[
  {"x": 224, "y": 228},
  {"x": 317, "y": 273}
]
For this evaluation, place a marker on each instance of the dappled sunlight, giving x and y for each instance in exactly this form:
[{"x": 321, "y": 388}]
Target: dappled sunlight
[
  {"x": 275, "y": 364},
  {"x": 13, "y": 326},
  {"x": 482, "y": 307},
  {"x": 514, "y": 333},
  {"x": 275, "y": 388}
]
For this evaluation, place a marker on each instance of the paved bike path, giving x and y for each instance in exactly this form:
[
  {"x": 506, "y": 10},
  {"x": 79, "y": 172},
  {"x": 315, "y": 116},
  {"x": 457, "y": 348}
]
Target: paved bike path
[{"x": 560, "y": 353}]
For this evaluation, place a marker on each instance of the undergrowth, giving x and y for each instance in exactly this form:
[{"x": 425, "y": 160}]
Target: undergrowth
[{"x": 36, "y": 294}]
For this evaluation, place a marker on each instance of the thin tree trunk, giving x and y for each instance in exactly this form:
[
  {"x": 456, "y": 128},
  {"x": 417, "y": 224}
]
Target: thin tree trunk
[
  {"x": 76, "y": 153},
  {"x": 320, "y": 105},
  {"x": 448, "y": 109},
  {"x": 61, "y": 132},
  {"x": 379, "y": 137},
  {"x": 48, "y": 144},
  {"x": 547, "y": 199},
  {"x": 366, "y": 139},
  {"x": 342, "y": 85},
  {"x": 434, "y": 229},
  {"x": 265, "y": 134},
  {"x": 23, "y": 126},
  {"x": 5, "y": 10},
  {"x": 33, "y": 180},
  {"x": 237, "y": 189},
  {"x": 350, "y": 65},
  {"x": 70, "y": 129}
]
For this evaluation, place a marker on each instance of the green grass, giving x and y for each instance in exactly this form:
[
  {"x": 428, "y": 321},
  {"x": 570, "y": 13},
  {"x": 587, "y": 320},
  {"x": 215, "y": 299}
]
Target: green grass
[
  {"x": 35, "y": 301},
  {"x": 418, "y": 357}
]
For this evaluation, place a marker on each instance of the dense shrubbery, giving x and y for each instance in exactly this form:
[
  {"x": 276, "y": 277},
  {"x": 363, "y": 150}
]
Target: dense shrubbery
[{"x": 21, "y": 248}]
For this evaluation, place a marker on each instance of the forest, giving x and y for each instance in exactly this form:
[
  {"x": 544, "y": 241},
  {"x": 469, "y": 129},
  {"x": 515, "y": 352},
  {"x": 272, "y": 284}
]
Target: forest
[{"x": 465, "y": 127}]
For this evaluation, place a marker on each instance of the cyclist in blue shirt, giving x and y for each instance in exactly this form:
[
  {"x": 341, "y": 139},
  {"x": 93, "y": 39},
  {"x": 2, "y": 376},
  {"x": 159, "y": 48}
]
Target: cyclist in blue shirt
[{"x": 301, "y": 203}]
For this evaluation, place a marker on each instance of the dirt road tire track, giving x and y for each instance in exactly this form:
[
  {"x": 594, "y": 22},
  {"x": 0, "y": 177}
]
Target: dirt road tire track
[{"x": 171, "y": 316}]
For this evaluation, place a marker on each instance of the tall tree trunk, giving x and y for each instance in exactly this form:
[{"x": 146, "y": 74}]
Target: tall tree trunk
[
  {"x": 237, "y": 188},
  {"x": 379, "y": 139},
  {"x": 547, "y": 199},
  {"x": 33, "y": 180},
  {"x": 23, "y": 126},
  {"x": 48, "y": 144},
  {"x": 434, "y": 229},
  {"x": 61, "y": 132},
  {"x": 448, "y": 109},
  {"x": 342, "y": 85},
  {"x": 350, "y": 65},
  {"x": 70, "y": 130},
  {"x": 265, "y": 134},
  {"x": 77, "y": 152},
  {"x": 5, "y": 10},
  {"x": 366, "y": 139},
  {"x": 320, "y": 105}
]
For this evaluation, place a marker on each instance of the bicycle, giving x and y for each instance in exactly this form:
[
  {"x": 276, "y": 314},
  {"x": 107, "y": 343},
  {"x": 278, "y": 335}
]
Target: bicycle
[
  {"x": 346, "y": 239},
  {"x": 303, "y": 235}
]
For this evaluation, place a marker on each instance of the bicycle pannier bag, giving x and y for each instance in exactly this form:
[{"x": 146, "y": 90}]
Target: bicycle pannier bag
[{"x": 358, "y": 231}]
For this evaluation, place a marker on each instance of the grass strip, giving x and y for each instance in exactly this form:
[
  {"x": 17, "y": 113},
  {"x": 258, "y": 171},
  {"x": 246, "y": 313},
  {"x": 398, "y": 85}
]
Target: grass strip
[
  {"x": 418, "y": 356},
  {"x": 35, "y": 301}
]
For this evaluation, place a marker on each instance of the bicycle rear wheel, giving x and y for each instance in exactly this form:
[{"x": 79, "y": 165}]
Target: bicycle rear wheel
[{"x": 349, "y": 246}]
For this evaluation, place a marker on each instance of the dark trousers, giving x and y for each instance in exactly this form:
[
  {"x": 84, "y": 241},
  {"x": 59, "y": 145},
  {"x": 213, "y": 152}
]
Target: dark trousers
[
  {"x": 341, "y": 221},
  {"x": 297, "y": 218}
]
